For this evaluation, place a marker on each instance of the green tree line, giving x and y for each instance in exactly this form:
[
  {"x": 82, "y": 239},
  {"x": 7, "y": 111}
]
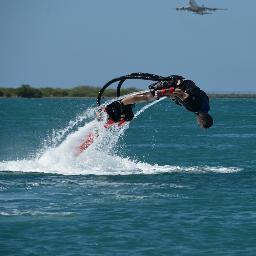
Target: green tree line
[{"x": 27, "y": 91}]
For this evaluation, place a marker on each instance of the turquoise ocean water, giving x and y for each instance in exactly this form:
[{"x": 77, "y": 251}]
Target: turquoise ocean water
[{"x": 160, "y": 186}]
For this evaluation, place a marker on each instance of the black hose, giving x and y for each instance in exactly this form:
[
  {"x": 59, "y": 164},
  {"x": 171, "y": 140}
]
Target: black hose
[{"x": 134, "y": 76}]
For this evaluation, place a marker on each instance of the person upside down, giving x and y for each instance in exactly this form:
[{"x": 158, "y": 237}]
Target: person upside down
[{"x": 184, "y": 92}]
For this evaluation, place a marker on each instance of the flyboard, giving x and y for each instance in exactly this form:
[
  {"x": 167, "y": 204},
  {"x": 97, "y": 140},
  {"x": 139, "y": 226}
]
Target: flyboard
[{"x": 91, "y": 136}]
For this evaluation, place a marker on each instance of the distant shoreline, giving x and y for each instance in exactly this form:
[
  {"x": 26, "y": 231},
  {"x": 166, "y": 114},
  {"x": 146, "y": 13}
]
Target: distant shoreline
[
  {"x": 232, "y": 95},
  {"x": 85, "y": 91},
  {"x": 211, "y": 95}
]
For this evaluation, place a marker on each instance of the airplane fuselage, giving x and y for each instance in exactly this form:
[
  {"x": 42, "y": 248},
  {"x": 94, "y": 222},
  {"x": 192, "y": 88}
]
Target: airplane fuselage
[{"x": 194, "y": 7}]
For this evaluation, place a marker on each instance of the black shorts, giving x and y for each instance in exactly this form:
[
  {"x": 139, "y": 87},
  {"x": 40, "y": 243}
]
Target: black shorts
[{"x": 117, "y": 110}]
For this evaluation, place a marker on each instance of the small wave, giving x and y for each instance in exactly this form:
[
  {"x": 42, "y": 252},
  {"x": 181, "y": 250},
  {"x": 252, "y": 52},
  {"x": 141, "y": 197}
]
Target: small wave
[
  {"x": 16, "y": 212},
  {"x": 235, "y": 135}
]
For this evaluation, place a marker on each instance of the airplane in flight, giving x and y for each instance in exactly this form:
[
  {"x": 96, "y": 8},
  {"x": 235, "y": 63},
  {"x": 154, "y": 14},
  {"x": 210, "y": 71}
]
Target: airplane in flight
[{"x": 194, "y": 7}]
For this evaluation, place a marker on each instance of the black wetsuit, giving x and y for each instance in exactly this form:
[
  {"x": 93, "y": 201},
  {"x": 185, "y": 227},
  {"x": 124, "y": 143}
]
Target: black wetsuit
[{"x": 197, "y": 100}]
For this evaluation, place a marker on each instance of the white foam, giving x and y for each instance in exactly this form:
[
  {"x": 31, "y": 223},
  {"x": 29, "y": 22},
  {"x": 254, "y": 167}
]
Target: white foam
[{"x": 104, "y": 164}]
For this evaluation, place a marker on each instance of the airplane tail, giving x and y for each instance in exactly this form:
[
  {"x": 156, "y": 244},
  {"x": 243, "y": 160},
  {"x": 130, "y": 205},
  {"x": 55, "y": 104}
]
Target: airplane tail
[{"x": 193, "y": 3}]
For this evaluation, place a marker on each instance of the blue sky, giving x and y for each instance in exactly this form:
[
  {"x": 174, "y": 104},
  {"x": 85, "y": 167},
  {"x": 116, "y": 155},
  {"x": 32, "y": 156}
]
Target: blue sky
[{"x": 65, "y": 43}]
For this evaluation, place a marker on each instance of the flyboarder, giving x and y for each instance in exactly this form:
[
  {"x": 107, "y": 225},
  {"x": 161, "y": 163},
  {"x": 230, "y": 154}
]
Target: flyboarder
[{"x": 183, "y": 92}]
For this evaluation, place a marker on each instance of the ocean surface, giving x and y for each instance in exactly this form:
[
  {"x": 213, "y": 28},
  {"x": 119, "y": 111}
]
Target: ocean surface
[{"x": 157, "y": 186}]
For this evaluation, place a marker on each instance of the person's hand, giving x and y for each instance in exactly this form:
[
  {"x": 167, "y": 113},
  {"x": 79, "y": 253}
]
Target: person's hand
[
  {"x": 158, "y": 94},
  {"x": 164, "y": 92}
]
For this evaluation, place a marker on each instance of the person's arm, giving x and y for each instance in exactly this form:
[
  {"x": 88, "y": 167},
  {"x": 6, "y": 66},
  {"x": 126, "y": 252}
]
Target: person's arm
[
  {"x": 147, "y": 95},
  {"x": 138, "y": 97},
  {"x": 171, "y": 92}
]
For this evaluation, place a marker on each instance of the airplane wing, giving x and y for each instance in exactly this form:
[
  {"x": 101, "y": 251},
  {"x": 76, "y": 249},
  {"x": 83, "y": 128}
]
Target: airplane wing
[
  {"x": 200, "y": 12},
  {"x": 183, "y": 8},
  {"x": 204, "y": 13},
  {"x": 215, "y": 9}
]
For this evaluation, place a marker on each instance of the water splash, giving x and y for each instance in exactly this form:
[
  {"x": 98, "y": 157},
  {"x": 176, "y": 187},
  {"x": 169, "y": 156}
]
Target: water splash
[{"x": 101, "y": 158}]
